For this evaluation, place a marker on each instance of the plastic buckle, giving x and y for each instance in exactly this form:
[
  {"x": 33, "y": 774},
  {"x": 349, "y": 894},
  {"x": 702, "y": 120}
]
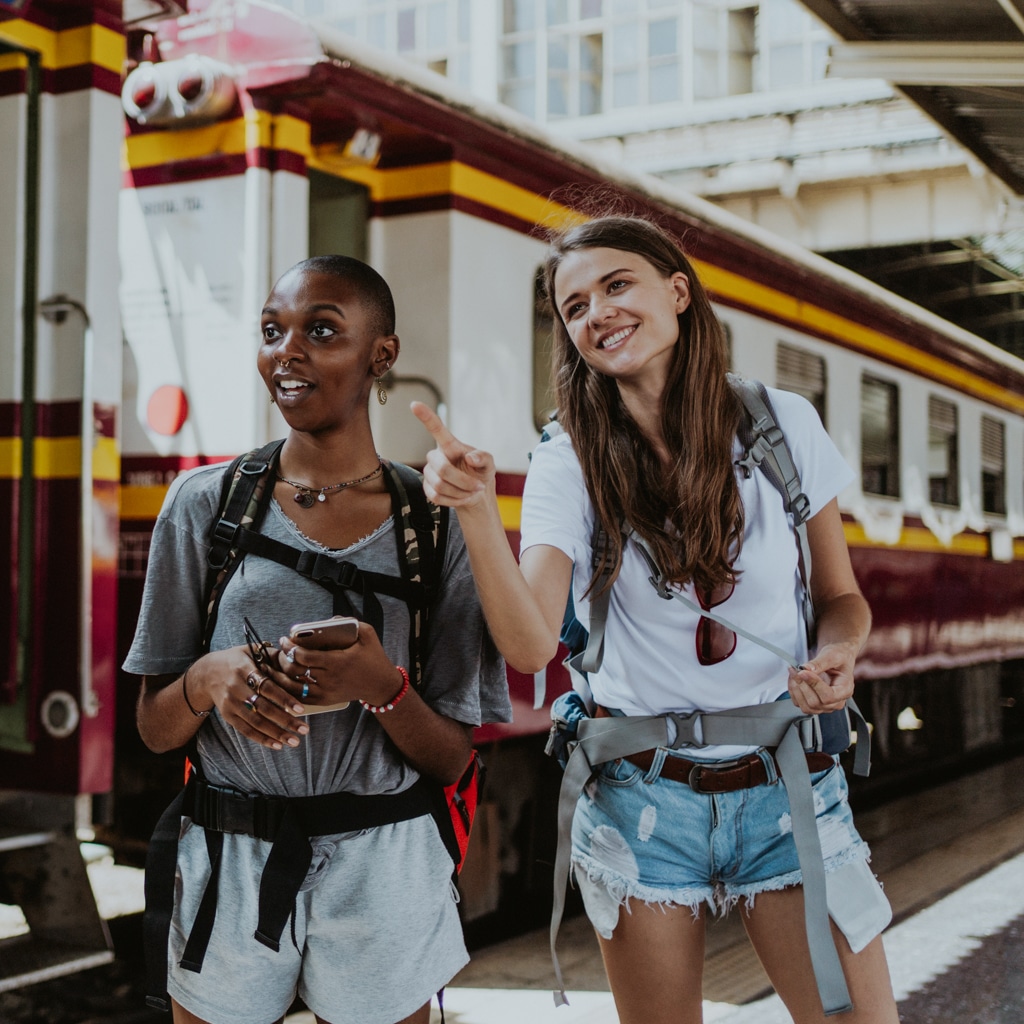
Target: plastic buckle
[
  {"x": 689, "y": 730},
  {"x": 801, "y": 507}
]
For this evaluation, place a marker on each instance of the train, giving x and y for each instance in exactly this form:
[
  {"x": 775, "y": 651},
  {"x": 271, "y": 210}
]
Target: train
[{"x": 169, "y": 162}]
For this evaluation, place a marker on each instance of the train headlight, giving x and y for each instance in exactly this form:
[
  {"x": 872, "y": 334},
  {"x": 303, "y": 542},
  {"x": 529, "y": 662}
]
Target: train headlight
[{"x": 182, "y": 92}]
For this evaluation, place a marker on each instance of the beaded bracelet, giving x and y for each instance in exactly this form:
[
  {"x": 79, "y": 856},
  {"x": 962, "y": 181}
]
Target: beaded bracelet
[
  {"x": 380, "y": 709},
  {"x": 184, "y": 693}
]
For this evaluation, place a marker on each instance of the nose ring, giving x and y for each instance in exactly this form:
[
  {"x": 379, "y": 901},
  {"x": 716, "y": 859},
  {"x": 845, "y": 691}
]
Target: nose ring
[{"x": 284, "y": 363}]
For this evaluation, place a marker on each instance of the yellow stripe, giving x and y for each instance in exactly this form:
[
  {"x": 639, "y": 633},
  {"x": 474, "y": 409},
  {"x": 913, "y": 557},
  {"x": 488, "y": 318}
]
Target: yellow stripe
[
  {"x": 60, "y": 458},
  {"x": 141, "y": 502},
  {"x": 258, "y": 129},
  {"x": 106, "y": 460},
  {"x": 912, "y": 538},
  {"x": 729, "y": 285},
  {"x": 511, "y": 509},
  {"x": 10, "y": 458},
  {"x": 155, "y": 148},
  {"x": 87, "y": 44},
  {"x": 57, "y": 458}
]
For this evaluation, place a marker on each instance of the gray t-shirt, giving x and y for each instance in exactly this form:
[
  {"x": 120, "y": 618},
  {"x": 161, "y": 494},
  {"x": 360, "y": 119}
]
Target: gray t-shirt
[{"x": 346, "y": 750}]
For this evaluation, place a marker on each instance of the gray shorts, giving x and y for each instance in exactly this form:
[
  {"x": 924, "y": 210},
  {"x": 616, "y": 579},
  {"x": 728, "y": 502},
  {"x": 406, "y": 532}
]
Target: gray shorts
[{"x": 375, "y": 934}]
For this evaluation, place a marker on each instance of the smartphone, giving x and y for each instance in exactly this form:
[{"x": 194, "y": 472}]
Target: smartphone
[{"x": 326, "y": 634}]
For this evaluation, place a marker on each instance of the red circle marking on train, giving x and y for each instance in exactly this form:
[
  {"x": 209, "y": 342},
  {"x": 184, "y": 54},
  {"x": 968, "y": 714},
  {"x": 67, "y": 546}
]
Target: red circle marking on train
[{"x": 167, "y": 409}]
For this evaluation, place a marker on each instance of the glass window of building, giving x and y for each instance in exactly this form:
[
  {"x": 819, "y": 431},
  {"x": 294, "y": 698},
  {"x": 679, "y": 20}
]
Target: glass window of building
[
  {"x": 993, "y": 466},
  {"x": 803, "y": 372},
  {"x": 879, "y": 437},
  {"x": 943, "y": 450},
  {"x": 793, "y": 46}
]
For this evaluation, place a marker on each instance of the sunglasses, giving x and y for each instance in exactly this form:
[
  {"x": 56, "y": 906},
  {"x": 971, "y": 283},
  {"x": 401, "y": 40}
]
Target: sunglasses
[
  {"x": 259, "y": 650},
  {"x": 714, "y": 641}
]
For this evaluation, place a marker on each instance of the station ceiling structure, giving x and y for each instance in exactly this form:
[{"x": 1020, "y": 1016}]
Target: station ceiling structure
[{"x": 962, "y": 62}]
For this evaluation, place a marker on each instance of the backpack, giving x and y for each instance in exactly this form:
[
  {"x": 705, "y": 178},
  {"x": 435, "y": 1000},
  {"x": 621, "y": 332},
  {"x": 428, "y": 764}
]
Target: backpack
[
  {"x": 421, "y": 534},
  {"x": 765, "y": 449}
]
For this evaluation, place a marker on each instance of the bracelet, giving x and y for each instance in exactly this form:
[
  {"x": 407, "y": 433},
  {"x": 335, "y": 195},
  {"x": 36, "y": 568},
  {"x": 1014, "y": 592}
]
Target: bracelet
[
  {"x": 184, "y": 693},
  {"x": 380, "y": 709}
]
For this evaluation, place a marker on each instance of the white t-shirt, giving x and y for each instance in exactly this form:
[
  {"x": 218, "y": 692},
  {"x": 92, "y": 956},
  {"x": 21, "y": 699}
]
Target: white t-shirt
[{"x": 650, "y": 656}]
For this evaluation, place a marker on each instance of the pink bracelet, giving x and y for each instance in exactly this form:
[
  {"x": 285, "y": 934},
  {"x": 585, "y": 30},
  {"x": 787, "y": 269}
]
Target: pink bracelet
[{"x": 380, "y": 709}]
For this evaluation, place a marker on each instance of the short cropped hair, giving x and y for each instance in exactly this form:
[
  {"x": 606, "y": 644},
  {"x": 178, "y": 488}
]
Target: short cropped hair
[{"x": 372, "y": 288}]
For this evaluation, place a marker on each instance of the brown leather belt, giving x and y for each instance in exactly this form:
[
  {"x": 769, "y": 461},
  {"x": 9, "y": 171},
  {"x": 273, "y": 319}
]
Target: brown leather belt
[
  {"x": 724, "y": 777},
  {"x": 743, "y": 773}
]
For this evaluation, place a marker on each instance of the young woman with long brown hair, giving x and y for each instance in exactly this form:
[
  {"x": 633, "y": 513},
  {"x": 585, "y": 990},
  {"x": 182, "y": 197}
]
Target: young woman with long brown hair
[{"x": 650, "y": 440}]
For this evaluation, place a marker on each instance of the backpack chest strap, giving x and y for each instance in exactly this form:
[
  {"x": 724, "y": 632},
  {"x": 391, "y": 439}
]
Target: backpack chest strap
[{"x": 771, "y": 725}]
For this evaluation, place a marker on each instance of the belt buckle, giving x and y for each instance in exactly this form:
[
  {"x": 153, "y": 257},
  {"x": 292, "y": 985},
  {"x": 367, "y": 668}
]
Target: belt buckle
[{"x": 693, "y": 780}]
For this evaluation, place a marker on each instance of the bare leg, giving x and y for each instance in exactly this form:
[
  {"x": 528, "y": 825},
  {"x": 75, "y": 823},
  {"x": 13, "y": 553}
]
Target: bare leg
[
  {"x": 776, "y": 928},
  {"x": 655, "y": 961}
]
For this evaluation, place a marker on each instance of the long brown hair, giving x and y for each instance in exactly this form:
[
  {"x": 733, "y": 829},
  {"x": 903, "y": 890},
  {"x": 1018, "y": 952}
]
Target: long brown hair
[{"x": 698, "y": 496}]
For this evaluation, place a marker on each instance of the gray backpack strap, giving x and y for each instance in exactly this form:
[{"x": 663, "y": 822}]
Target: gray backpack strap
[
  {"x": 776, "y": 725},
  {"x": 668, "y": 592},
  {"x": 767, "y": 450}
]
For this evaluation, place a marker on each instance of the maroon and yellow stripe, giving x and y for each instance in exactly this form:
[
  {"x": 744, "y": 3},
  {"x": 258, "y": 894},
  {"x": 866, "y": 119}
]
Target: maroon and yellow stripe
[{"x": 79, "y": 57}]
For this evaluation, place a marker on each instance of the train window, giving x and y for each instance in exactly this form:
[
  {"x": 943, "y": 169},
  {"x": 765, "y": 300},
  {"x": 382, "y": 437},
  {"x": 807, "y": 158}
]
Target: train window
[
  {"x": 879, "y": 437},
  {"x": 543, "y": 330},
  {"x": 943, "y": 446},
  {"x": 803, "y": 372},
  {"x": 993, "y": 466},
  {"x": 339, "y": 211}
]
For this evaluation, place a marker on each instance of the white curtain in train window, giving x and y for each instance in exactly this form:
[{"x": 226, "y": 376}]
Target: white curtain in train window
[
  {"x": 803, "y": 372},
  {"x": 943, "y": 445},
  {"x": 993, "y": 466},
  {"x": 879, "y": 437}
]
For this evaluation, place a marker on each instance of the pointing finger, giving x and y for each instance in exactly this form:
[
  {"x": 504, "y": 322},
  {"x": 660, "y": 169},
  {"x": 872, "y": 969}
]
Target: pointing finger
[{"x": 438, "y": 431}]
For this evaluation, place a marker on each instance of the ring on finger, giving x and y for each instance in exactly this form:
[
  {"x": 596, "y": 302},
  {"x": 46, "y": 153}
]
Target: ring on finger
[
  {"x": 250, "y": 702},
  {"x": 305, "y": 691},
  {"x": 254, "y": 681}
]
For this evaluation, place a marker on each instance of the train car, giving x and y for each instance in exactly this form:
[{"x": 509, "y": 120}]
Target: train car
[
  {"x": 62, "y": 124},
  {"x": 252, "y": 139}
]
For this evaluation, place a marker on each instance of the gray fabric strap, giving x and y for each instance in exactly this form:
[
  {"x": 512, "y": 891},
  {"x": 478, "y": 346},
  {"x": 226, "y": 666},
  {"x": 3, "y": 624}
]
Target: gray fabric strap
[
  {"x": 667, "y": 591},
  {"x": 770, "y": 453},
  {"x": 769, "y": 725}
]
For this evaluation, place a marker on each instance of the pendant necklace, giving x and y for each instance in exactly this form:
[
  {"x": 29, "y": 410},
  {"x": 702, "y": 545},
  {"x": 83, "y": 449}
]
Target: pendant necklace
[{"x": 305, "y": 495}]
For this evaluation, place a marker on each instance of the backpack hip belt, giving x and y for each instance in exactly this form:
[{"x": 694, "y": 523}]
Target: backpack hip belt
[
  {"x": 781, "y": 725},
  {"x": 286, "y": 822}
]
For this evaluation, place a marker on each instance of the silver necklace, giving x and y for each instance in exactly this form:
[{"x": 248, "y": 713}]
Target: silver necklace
[{"x": 306, "y": 495}]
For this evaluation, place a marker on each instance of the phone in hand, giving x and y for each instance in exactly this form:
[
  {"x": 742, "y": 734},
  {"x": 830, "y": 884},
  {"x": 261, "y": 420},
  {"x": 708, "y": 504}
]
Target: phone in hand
[{"x": 326, "y": 634}]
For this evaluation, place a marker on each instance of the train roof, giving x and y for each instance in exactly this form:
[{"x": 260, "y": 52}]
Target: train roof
[{"x": 439, "y": 119}]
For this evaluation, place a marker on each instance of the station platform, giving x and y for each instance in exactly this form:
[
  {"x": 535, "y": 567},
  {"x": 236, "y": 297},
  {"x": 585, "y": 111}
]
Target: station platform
[{"x": 951, "y": 860}]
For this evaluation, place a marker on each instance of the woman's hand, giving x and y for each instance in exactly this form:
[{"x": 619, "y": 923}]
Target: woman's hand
[
  {"x": 455, "y": 474},
  {"x": 826, "y": 682},
  {"x": 171, "y": 709},
  {"x": 361, "y": 671}
]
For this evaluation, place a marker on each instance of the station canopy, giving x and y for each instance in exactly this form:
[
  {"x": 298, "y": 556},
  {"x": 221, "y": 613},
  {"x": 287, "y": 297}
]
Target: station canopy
[{"x": 962, "y": 62}]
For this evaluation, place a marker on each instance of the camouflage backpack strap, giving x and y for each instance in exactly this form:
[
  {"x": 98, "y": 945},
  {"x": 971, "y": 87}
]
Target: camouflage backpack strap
[
  {"x": 421, "y": 535},
  {"x": 245, "y": 495}
]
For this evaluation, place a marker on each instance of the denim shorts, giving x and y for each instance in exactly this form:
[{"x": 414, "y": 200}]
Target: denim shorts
[{"x": 639, "y": 836}]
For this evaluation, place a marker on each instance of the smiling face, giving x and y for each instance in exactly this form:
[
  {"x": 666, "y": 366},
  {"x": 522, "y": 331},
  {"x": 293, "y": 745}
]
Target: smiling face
[
  {"x": 620, "y": 312},
  {"x": 319, "y": 326}
]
